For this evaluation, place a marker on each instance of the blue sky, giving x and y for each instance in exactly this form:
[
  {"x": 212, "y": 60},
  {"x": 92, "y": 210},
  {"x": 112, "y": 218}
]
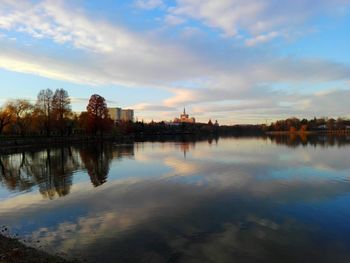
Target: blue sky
[{"x": 238, "y": 61}]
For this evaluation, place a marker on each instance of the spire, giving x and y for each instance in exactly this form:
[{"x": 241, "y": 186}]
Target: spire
[{"x": 184, "y": 111}]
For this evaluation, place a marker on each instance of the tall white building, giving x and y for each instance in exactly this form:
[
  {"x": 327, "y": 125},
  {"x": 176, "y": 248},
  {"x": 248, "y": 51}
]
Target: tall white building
[
  {"x": 118, "y": 114},
  {"x": 115, "y": 114},
  {"x": 127, "y": 115}
]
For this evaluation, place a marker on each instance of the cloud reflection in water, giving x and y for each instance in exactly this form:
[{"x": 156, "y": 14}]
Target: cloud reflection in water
[{"x": 242, "y": 200}]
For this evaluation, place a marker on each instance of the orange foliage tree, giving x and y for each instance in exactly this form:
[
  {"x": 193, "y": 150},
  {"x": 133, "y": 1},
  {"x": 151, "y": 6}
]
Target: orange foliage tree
[
  {"x": 98, "y": 120},
  {"x": 6, "y": 118}
]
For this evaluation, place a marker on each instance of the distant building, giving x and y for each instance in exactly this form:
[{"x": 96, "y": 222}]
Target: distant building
[
  {"x": 127, "y": 115},
  {"x": 184, "y": 118},
  {"x": 118, "y": 114},
  {"x": 115, "y": 113}
]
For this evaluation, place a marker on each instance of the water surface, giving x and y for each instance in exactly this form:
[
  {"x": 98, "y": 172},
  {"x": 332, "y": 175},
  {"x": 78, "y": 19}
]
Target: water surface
[{"x": 281, "y": 199}]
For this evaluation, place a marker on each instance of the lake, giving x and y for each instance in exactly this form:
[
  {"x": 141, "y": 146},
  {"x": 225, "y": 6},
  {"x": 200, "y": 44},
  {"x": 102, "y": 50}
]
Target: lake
[{"x": 268, "y": 199}]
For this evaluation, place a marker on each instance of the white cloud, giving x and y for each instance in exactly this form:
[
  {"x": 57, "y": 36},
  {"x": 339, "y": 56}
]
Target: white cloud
[
  {"x": 331, "y": 103},
  {"x": 253, "y": 81},
  {"x": 223, "y": 14},
  {"x": 115, "y": 55},
  {"x": 151, "y": 107},
  {"x": 31, "y": 64},
  {"x": 254, "y": 16},
  {"x": 261, "y": 38},
  {"x": 246, "y": 95}
]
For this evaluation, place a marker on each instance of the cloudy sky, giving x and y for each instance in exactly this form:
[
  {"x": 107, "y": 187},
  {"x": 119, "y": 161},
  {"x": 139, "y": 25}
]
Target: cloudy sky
[{"x": 238, "y": 61}]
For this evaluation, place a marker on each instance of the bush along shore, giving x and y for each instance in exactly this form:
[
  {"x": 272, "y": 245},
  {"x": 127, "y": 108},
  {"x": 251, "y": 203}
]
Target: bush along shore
[{"x": 13, "y": 251}]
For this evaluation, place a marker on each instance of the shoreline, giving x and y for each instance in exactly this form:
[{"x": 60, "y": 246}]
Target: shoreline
[
  {"x": 323, "y": 132},
  {"x": 14, "y": 143},
  {"x": 14, "y": 251}
]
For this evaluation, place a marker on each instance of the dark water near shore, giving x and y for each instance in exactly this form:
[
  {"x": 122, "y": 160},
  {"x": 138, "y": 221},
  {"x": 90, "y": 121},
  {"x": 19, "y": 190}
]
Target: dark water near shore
[{"x": 278, "y": 199}]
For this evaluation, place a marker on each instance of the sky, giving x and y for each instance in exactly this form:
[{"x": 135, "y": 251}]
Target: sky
[{"x": 235, "y": 61}]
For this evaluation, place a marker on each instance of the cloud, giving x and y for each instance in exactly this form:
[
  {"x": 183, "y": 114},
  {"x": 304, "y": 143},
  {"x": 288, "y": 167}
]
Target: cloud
[
  {"x": 254, "y": 80},
  {"x": 20, "y": 61},
  {"x": 252, "y": 100},
  {"x": 149, "y": 4},
  {"x": 174, "y": 20},
  {"x": 261, "y": 38},
  {"x": 253, "y": 16},
  {"x": 85, "y": 101},
  {"x": 194, "y": 70},
  {"x": 332, "y": 103},
  {"x": 151, "y": 107},
  {"x": 115, "y": 55}
]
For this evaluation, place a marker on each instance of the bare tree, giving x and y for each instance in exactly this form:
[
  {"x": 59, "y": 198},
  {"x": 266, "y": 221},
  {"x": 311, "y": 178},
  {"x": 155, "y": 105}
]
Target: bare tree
[
  {"x": 44, "y": 105},
  {"x": 61, "y": 109}
]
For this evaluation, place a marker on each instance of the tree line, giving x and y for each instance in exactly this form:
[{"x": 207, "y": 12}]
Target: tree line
[
  {"x": 315, "y": 124},
  {"x": 51, "y": 114}
]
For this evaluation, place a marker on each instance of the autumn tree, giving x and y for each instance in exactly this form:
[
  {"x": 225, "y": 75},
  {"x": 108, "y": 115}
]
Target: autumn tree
[
  {"x": 303, "y": 128},
  {"x": 6, "y": 118},
  {"x": 98, "y": 119},
  {"x": 44, "y": 108},
  {"x": 21, "y": 112},
  {"x": 341, "y": 124},
  {"x": 61, "y": 109}
]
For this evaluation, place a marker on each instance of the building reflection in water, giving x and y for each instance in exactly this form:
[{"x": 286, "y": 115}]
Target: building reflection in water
[
  {"x": 187, "y": 144},
  {"x": 185, "y": 147}
]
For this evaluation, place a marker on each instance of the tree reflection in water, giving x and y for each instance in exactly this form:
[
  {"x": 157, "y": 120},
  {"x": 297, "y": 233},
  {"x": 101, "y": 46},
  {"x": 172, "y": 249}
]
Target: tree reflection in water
[
  {"x": 297, "y": 139},
  {"x": 97, "y": 159},
  {"x": 51, "y": 170},
  {"x": 12, "y": 172},
  {"x": 244, "y": 200}
]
